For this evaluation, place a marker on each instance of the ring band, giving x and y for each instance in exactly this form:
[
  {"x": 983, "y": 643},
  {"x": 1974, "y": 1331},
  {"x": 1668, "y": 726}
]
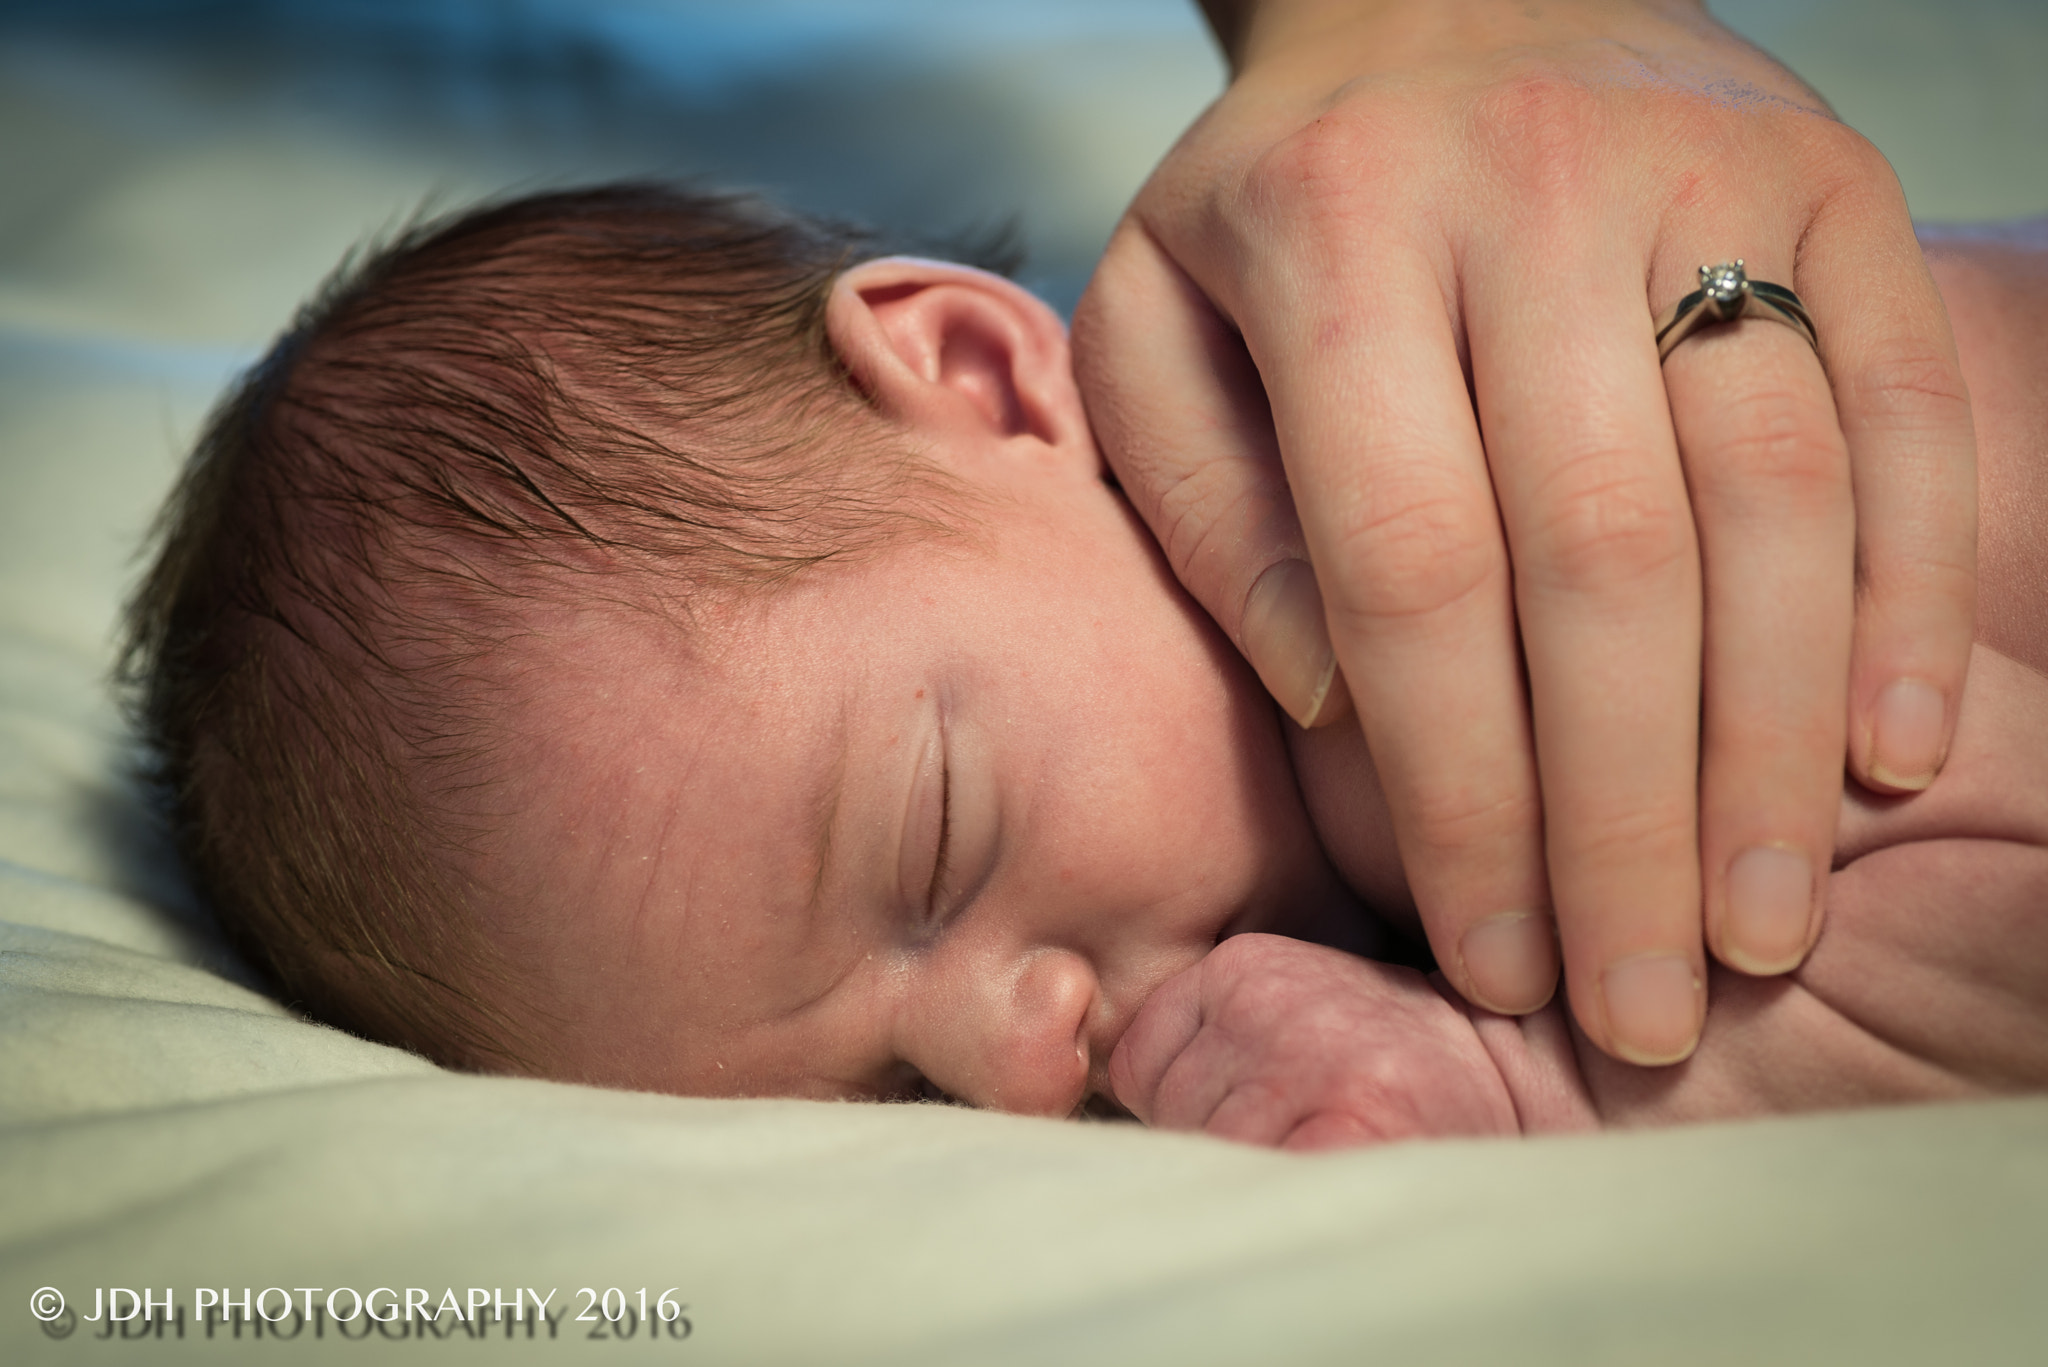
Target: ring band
[{"x": 1726, "y": 293}]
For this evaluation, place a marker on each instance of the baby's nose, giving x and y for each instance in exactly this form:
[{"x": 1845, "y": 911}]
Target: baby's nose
[{"x": 1016, "y": 1041}]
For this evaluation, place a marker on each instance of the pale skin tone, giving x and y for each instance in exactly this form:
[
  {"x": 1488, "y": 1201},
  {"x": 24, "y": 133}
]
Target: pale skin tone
[
  {"x": 960, "y": 812},
  {"x": 1385, "y": 311},
  {"x": 1930, "y": 982},
  {"x": 951, "y": 813}
]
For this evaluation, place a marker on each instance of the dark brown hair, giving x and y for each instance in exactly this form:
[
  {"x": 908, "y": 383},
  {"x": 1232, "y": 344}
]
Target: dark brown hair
[{"x": 568, "y": 385}]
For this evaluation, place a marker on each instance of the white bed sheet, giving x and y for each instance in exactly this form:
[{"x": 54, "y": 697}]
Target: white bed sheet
[{"x": 163, "y": 1124}]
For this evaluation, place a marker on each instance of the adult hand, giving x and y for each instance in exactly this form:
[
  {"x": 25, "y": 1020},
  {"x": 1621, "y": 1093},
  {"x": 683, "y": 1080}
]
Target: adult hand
[{"x": 1410, "y": 222}]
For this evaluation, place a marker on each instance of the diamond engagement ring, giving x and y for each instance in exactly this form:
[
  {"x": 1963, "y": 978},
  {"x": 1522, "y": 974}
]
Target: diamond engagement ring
[{"x": 1726, "y": 293}]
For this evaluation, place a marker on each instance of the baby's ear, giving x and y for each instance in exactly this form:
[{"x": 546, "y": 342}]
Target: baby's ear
[{"x": 955, "y": 352}]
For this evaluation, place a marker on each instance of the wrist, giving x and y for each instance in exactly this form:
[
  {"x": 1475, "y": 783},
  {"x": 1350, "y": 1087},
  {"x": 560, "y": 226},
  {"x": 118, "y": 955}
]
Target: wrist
[{"x": 1253, "y": 32}]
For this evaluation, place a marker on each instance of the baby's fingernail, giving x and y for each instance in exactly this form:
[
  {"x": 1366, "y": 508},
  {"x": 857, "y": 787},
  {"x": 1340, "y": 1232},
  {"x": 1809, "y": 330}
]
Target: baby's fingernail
[
  {"x": 1288, "y": 643},
  {"x": 1905, "y": 734},
  {"x": 1770, "y": 907},
  {"x": 1653, "y": 1007},
  {"x": 1511, "y": 962}
]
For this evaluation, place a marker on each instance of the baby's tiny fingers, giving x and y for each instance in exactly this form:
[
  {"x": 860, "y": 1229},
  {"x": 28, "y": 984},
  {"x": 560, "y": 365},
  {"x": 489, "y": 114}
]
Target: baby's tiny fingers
[
  {"x": 1156, "y": 1036},
  {"x": 1257, "y": 1112}
]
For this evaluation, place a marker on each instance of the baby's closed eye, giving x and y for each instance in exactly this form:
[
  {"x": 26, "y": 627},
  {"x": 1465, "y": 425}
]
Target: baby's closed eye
[{"x": 926, "y": 827}]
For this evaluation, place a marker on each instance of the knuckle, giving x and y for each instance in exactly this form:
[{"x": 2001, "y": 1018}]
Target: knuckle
[
  {"x": 1382, "y": 1092},
  {"x": 1455, "y": 824},
  {"x": 1902, "y": 595},
  {"x": 1413, "y": 553},
  {"x": 1400, "y": 1074},
  {"x": 1644, "y": 834},
  {"x": 1250, "y": 1100},
  {"x": 1908, "y": 383},
  {"x": 1793, "y": 746},
  {"x": 1196, "y": 510},
  {"x": 1315, "y": 177},
  {"x": 1708, "y": 129},
  {"x": 1843, "y": 160},
  {"x": 1099, "y": 311},
  {"x": 1778, "y": 442},
  {"x": 1604, "y": 526},
  {"x": 1539, "y": 129},
  {"x": 1850, "y": 186}
]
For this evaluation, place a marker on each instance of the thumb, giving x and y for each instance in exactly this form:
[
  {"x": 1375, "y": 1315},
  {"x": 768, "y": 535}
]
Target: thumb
[{"x": 1182, "y": 418}]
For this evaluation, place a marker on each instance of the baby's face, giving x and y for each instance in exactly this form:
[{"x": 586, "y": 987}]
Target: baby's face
[{"x": 949, "y": 814}]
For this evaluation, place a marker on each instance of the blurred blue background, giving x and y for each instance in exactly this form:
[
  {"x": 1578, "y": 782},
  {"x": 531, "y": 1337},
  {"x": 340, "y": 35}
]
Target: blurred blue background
[
  {"x": 288, "y": 128},
  {"x": 196, "y": 166}
]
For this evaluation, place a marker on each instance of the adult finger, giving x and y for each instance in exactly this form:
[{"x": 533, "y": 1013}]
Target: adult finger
[
  {"x": 1608, "y": 595},
  {"x": 1769, "y": 477},
  {"x": 1905, "y": 413},
  {"x": 1352, "y": 338},
  {"x": 1179, "y": 408}
]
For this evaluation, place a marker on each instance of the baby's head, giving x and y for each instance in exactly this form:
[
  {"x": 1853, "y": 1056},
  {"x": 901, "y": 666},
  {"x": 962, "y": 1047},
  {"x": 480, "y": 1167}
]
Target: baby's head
[{"x": 638, "y": 637}]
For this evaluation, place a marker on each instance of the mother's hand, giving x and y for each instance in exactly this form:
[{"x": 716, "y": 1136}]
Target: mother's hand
[{"x": 1411, "y": 222}]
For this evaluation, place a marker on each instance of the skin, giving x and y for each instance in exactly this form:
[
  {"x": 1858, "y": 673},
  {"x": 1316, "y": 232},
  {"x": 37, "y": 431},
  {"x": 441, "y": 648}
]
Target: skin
[
  {"x": 725, "y": 867},
  {"x": 1275, "y": 1041},
  {"x": 1410, "y": 222},
  {"x": 1930, "y": 980}
]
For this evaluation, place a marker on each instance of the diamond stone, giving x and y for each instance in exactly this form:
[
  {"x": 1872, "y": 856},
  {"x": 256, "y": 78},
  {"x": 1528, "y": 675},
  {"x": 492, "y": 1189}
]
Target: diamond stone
[{"x": 1724, "y": 284}]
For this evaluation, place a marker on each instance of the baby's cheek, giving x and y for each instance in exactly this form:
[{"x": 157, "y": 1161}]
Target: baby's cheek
[{"x": 1350, "y": 814}]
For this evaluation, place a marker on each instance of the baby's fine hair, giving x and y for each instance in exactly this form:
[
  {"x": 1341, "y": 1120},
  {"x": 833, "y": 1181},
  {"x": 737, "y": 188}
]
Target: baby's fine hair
[{"x": 624, "y": 391}]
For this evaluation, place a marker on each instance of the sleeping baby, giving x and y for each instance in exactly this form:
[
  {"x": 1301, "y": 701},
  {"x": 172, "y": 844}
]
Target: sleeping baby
[{"x": 637, "y": 637}]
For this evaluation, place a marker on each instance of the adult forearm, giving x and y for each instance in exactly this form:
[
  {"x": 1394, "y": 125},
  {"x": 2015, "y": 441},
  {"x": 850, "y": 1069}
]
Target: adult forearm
[{"x": 1249, "y": 29}]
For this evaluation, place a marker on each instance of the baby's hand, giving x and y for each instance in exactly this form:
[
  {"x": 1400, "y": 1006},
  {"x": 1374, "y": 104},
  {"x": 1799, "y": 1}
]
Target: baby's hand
[{"x": 1276, "y": 1041}]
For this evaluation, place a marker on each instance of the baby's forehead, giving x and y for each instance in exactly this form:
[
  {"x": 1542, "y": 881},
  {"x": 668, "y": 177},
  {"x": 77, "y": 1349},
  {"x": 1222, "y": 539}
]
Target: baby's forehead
[
  {"x": 736, "y": 711},
  {"x": 662, "y": 777}
]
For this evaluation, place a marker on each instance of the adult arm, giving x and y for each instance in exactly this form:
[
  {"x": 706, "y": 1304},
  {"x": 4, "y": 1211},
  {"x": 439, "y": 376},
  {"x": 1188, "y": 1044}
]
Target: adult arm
[{"x": 1408, "y": 223}]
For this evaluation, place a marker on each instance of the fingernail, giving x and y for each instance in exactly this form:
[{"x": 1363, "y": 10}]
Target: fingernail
[
  {"x": 1905, "y": 741},
  {"x": 1288, "y": 642},
  {"x": 1770, "y": 907},
  {"x": 1511, "y": 962},
  {"x": 1653, "y": 1008}
]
